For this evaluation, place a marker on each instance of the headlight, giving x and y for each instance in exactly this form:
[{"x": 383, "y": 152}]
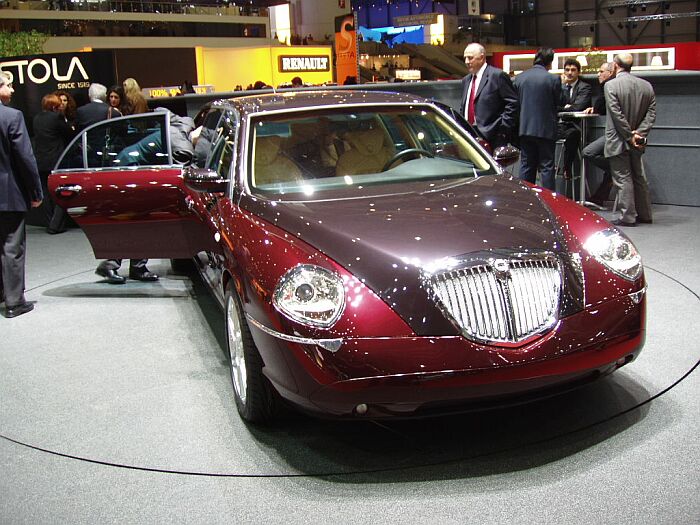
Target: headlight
[
  {"x": 310, "y": 295},
  {"x": 616, "y": 252}
]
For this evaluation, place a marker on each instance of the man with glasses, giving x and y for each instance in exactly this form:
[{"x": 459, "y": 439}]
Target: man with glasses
[
  {"x": 594, "y": 152},
  {"x": 20, "y": 189}
]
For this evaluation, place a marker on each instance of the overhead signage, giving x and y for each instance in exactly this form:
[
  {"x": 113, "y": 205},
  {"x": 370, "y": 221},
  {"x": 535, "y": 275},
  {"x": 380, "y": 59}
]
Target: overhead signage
[
  {"x": 424, "y": 19},
  {"x": 301, "y": 64},
  {"x": 408, "y": 74},
  {"x": 346, "y": 49},
  {"x": 38, "y": 75},
  {"x": 173, "y": 91}
]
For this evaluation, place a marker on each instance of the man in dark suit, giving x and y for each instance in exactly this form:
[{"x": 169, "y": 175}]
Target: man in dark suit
[
  {"x": 94, "y": 111},
  {"x": 595, "y": 151},
  {"x": 539, "y": 93},
  {"x": 20, "y": 188},
  {"x": 577, "y": 97},
  {"x": 489, "y": 101},
  {"x": 631, "y": 112}
]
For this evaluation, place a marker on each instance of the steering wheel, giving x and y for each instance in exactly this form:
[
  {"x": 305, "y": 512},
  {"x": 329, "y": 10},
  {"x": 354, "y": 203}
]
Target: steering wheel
[{"x": 406, "y": 153}]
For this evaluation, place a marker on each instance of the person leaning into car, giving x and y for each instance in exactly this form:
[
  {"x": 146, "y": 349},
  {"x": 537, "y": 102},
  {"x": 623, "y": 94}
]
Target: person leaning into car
[
  {"x": 109, "y": 269},
  {"x": 489, "y": 101},
  {"x": 20, "y": 189}
]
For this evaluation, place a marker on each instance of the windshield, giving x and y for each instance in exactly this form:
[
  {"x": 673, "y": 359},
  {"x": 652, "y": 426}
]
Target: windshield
[{"x": 316, "y": 151}]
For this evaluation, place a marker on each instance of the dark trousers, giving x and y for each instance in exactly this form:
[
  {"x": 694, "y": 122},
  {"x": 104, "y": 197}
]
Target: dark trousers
[
  {"x": 54, "y": 217},
  {"x": 139, "y": 265},
  {"x": 572, "y": 138},
  {"x": 537, "y": 154},
  {"x": 13, "y": 239},
  {"x": 594, "y": 153}
]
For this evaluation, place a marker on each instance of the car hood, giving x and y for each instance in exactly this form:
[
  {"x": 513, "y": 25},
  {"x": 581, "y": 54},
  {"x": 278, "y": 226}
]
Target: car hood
[{"x": 387, "y": 239}]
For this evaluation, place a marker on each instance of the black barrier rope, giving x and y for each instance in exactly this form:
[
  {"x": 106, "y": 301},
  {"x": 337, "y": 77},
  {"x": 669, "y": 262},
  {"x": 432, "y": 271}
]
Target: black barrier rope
[{"x": 332, "y": 474}]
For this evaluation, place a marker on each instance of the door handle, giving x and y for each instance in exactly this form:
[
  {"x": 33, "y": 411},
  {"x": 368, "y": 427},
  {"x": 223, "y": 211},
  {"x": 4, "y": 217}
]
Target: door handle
[{"x": 69, "y": 190}]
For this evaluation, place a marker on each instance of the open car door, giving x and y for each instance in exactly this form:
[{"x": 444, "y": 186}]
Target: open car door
[{"x": 118, "y": 181}]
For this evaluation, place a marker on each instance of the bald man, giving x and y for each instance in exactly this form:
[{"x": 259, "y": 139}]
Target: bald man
[
  {"x": 489, "y": 101},
  {"x": 631, "y": 112}
]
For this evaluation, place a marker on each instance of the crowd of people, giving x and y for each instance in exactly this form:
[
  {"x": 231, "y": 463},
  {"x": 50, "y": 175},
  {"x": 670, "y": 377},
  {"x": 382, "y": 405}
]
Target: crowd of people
[
  {"x": 25, "y": 165},
  {"x": 527, "y": 110}
]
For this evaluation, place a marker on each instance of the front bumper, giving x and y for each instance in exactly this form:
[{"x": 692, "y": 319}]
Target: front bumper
[{"x": 419, "y": 375}]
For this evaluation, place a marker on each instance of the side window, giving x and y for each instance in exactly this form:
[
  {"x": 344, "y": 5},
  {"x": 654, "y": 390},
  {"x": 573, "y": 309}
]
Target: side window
[
  {"x": 208, "y": 135},
  {"x": 224, "y": 150},
  {"x": 138, "y": 140}
]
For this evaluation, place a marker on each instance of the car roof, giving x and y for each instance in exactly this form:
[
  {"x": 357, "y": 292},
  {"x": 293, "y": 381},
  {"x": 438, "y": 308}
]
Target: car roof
[{"x": 309, "y": 99}]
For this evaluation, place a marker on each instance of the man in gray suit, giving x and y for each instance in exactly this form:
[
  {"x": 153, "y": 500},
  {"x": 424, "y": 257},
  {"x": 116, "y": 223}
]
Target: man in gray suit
[
  {"x": 20, "y": 189},
  {"x": 631, "y": 112}
]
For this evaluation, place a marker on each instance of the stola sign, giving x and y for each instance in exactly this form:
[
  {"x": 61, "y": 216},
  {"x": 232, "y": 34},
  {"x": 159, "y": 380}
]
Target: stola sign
[
  {"x": 292, "y": 64},
  {"x": 37, "y": 75}
]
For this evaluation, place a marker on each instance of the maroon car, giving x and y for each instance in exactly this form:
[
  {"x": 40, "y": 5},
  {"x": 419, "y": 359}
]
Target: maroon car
[{"x": 371, "y": 259}]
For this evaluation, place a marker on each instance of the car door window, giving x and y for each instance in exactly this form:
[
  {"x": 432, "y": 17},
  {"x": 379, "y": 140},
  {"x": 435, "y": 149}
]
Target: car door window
[
  {"x": 137, "y": 140},
  {"x": 222, "y": 156},
  {"x": 208, "y": 135}
]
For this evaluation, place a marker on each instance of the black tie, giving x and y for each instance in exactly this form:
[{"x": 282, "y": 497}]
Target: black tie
[{"x": 568, "y": 92}]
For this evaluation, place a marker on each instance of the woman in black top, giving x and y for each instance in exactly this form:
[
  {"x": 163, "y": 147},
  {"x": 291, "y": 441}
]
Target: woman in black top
[{"x": 51, "y": 135}]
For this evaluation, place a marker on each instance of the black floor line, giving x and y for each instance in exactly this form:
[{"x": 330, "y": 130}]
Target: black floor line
[{"x": 345, "y": 474}]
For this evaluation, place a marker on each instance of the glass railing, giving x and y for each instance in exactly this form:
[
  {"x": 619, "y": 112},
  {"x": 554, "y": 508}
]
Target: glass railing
[{"x": 196, "y": 7}]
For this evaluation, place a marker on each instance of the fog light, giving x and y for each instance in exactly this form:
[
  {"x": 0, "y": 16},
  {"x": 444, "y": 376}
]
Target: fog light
[
  {"x": 361, "y": 409},
  {"x": 621, "y": 361}
]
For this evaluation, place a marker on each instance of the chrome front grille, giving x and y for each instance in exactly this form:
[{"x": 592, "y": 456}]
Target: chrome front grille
[{"x": 501, "y": 300}]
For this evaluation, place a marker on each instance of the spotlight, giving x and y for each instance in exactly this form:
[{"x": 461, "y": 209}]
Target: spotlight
[
  {"x": 619, "y": 25},
  {"x": 633, "y": 8},
  {"x": 611, "y": 10},
  {"x": 591, "y": 29},
  {"x": 634, "y": 25},
  {"x": 644, "y": 7},
  {"x": 668, "y": 23}
]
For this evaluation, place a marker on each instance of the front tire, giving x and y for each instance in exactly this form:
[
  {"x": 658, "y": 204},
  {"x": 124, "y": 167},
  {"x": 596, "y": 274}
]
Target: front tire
[{"x": 256, "y": 400}]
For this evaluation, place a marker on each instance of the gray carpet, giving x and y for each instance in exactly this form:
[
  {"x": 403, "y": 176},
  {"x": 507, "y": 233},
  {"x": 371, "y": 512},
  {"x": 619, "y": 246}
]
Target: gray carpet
[{"x": 117, "y": 408}]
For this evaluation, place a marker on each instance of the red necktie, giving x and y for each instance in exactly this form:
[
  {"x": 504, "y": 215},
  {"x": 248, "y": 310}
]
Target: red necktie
[{"x": 471, "y": 117}]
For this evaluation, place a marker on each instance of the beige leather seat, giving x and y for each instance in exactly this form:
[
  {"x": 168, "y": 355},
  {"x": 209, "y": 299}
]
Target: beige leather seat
[
  {"x": 368, "y": 152},
  {"x": 270, "y": 165}
]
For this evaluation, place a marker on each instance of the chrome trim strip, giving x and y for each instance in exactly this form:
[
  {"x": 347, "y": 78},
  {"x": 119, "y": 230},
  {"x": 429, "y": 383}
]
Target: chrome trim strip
[{"x": 332, "y": 345}]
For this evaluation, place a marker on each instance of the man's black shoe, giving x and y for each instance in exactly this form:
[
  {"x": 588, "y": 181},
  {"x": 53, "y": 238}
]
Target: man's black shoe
[
  {"x": 111, "y": 276},
  {"x": 644, "y": 221},
  {"x": 620, "y": 222},
  {"x": 145, "y": 275},
  {"x": 20, "y": 309}
]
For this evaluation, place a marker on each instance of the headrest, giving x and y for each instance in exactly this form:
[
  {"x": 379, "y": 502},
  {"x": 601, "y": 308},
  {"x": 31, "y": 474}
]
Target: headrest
[
  {"x": 266, "y": 149},
  {"x": 304, "y": 131},
  {"x": 367, "y": 142}
]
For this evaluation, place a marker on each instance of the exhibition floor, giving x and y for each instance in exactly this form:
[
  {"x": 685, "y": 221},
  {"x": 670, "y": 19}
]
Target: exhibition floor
[{"x": 116, "y": 407}]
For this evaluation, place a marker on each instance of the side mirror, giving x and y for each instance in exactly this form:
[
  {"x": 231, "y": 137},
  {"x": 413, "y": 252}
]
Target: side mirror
[
  {"x": 506, "y": 155},
  {"x": 204, "y": 180}
]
